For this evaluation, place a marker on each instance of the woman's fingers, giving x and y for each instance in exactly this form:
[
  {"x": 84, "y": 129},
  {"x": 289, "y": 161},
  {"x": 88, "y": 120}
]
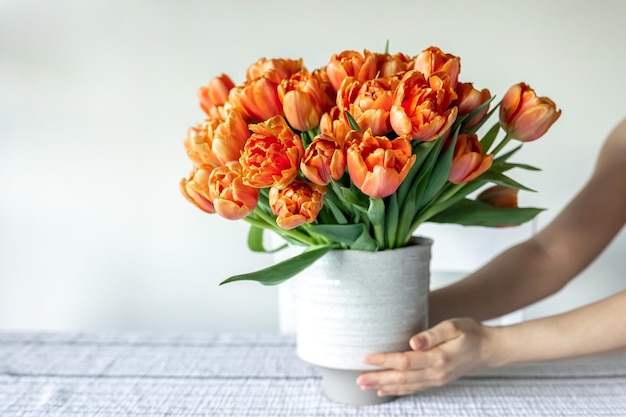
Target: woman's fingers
[
  {"x": 435, "y": 336},
  {"x": 450, "y": 349},
  {"x": 400, "y": 360},
  {"x": 402, "y": 382}
]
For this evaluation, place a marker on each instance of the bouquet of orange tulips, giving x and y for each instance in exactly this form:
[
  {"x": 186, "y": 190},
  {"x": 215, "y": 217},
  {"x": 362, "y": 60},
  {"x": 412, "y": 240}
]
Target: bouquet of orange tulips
[{"x": 359, "y": 153}]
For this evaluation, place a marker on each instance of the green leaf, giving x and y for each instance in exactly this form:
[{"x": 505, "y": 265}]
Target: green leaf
[
  {"x": 489, "y": 138},
  {"x": 507, "y": 155},
  {"x": 342, "y": 233},
  {"x": 410, "y": 206},
  {"x": 282, "y": 271},
  {"x": 330, "y": 202},
  {"x": 387, "y": 46},
  {"x": 391, "y": 220},
  {"x": 477, "y": 213},
  {"x": 505, "y": 166},
  {"x": 352, "y": 122},
  {"x": 376, "y": 214},
  {"x": 421, "y": 151},
  {"x": 441, "y": 171},
  {"x": 365, "y": 242},
  {"x": 501, "y": 179},
  {"x": 353, "y": 197}
]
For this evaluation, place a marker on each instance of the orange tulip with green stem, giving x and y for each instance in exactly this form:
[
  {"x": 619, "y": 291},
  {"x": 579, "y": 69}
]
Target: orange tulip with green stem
[{"x": 359, "y": 153}]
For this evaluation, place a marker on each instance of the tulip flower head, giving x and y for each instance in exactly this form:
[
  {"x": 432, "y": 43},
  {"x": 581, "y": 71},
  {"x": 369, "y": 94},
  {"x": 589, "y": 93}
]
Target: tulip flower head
[
  {"x": 524, "y": 116},
  {"x": 196, "y": 189},
  {"x": 421, "y": 107},
  {"x": 324, "y": 160},
  {"x": 499, "y": 196},
  {"x": 377, "y": 165},
  {"x": 468, "y": 162},
  {"x": 298, "y": 203},
  {"x": 215, "y": 94},
  {"x": 359, "y": 152},
  {"x": 271, "y": 156},
  {"x": 231, "y": 198}
]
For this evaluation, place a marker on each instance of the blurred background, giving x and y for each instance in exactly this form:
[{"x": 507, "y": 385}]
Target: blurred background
[{"x": 96, "y": 97}]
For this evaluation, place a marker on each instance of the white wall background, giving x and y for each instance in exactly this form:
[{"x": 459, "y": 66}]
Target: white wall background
[{"x": 96, "y": 97}]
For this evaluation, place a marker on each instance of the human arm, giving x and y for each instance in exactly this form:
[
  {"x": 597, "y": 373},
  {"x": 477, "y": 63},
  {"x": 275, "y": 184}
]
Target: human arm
[
  {"x": 456, "y": 347},
  {"x": 524, "y": 273},
  {"x": 540, "y": 266}
]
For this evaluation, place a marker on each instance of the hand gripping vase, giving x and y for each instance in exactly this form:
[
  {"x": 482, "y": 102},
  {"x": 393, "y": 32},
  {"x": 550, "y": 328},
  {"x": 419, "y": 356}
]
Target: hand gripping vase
[{"x": 351, "y": 303}]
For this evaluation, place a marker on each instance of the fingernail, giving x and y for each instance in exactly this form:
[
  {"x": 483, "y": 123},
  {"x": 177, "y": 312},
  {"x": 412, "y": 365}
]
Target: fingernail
[
  {"x": 416, "y": 343},
  {"x": 381, "y": 393}
]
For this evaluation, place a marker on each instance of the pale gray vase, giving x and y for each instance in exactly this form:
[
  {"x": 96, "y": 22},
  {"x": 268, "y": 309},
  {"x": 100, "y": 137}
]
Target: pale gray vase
[{"x": 352, "y": 303}]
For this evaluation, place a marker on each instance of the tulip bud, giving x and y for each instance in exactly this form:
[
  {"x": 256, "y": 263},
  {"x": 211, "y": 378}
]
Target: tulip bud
[
  {"x": 215, "y": 94},
  {"x": 468, "y": 161},
  {"x": 196, "y": 189},
  {"x": 499, "y": 196},
  {"x": 323, "y": 160},
  {"x": 524, "y": 116},
  {"x": 303, "y": 100},
  {"x": 470, "y": 99}
]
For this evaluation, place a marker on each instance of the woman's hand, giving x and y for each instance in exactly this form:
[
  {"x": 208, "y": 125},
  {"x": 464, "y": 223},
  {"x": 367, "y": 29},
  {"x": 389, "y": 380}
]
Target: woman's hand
[{"x": 441, "y": 354}]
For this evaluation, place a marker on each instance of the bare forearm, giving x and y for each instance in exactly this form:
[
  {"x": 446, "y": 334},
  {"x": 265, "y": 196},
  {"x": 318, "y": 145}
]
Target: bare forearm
[
  {"x": 596, "y": 328},
  {"x": 519, "y": 276}
]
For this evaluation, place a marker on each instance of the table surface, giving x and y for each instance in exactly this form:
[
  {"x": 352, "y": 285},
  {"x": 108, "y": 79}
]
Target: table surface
[{"x": 243, "y": 375}]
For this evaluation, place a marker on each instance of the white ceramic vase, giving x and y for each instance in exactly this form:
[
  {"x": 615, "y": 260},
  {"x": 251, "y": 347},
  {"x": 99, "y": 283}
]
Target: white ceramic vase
[{"x": 351, "y": 303}]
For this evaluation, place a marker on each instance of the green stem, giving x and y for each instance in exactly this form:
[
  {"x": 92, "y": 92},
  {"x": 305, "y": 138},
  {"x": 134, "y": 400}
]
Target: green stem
[
  {"x": 270, "y": 223},
  {"x": 436, "y": 207},
  {"x": 332, "y": 206},
  {"x": 507, "y": 138}
]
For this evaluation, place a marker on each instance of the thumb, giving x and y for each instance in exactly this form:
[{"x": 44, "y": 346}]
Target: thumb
[{"x": 435, "y": 336}]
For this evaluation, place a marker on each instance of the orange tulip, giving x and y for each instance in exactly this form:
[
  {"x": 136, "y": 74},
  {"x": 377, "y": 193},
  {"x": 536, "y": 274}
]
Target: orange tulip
[
  {"x": 433, "y": 59},
  {"x": 196, "y": 189},
  {"x": 470, "y": 99},
  {"x": 334, "y": 123},
  {"x": 231, "y": 198},
  {"x": 324, "y": 159},
  {"x": 524, "y": 116},
  {"x": 377, "y": 165},
  {"x": 396, "y": 64},
  {"x": 350, "y": 64},
  {"x": 198, "y": 143},
  {"x": 468, "y": 161},
  {"x": 271, "y": 156},
  {"x": 216, "y": 142},
  {"x": 215, "y": 94},
  {"x": 499, "y": 196},
  {"x": 303, "y": 99},
  {"x": 258, "y": 99},
  {"x": 329, "y": 92},
  {"x": 421, "y": 107},
  {"x": 284, "y": 67},
  {"x": 368, "y": 102},
  {"x": 298, "y": 203}
]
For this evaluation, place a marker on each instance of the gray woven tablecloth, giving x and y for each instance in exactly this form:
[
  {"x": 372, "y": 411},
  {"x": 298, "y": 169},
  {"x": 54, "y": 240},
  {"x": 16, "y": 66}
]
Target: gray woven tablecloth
[{"x": 251, "y": 375}]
